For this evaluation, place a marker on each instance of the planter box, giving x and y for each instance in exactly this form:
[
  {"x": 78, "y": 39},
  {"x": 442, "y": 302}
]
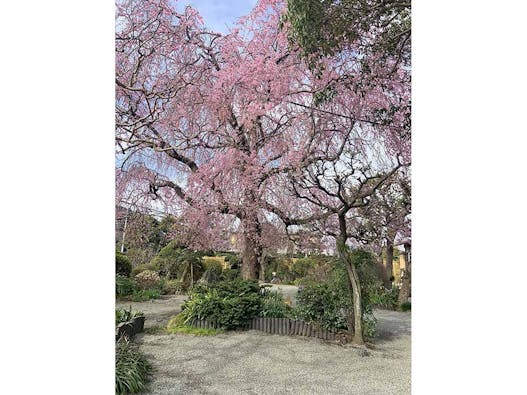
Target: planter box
[{"x": 130, "y": 328}]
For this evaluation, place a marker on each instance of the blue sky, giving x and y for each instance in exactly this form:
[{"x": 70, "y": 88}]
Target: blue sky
[{"x": 218, "y": 14}]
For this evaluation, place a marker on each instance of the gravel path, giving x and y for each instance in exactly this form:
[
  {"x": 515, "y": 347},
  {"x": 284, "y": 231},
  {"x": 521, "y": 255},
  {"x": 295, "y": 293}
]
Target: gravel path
[
  {"x": 252, "y": 362},
  {"x": 157, "y": 311}
]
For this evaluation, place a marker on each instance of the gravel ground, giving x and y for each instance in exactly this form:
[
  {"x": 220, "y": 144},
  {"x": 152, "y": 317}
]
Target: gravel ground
[
  {"x": 157, "y": 311},
  {"x": 252, "y": 362}
]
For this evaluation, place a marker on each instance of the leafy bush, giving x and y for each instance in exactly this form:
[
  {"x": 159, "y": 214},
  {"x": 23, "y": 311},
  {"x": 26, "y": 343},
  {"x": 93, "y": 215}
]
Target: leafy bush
[
  {"x": 280, "y": 266},
  {"x": 230, "y": 303},
  {"x": 141, "y": 268},
  {"x": 230, "y": 274},
  {"x": 406, "y": 306},
  {"x": 172, "y": 287},
  {"x": 213, "y": 265},
  {"x": 124, "y": 286},
  {"x": 132, "y": 370},
  {"x": 302, "y": 266},
  {"x": 145, "y": 294},
  {"x": 123, "y": 266},
  {"x": 173, "y": 261},
  {"x": 384, "y": 298},
  {"x": 123, "y": 315},
  {"x": 273, "y": 305},
  {"x": 330, "y": 304},
  {"x": 148, "y": 279},
  {"x": 369, "y": 325},
  {"x": 213, "y": 269},
  {"x": 322, "y": 305}
]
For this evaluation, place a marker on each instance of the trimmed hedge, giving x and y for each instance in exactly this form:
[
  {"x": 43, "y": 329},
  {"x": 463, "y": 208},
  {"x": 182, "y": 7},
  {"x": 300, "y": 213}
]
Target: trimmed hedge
[{"x": 123, "y": 266}]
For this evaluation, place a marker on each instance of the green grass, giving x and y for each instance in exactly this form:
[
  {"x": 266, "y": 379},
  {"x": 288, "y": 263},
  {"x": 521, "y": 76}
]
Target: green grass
[
  {"x": 176, "y": 325},
  {"x": 132, "y": 369}
]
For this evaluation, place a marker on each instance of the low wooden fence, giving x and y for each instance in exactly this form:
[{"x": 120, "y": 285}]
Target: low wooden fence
[{"x": 284, "y": 326}]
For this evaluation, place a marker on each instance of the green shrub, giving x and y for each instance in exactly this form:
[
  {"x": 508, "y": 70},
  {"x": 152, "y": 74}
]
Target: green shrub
[
  {"x": 213, "y": 265},
  {"x": 280, "y": 266},
  {"x": 173, "y": 261},
  {"x": 124, "y": 286},
  {"x": 302, "y": 266},
  {"x": 230, "y": 274},
  {"x": 406, "y": 306},
  {"x": 148, "y": 279},
  {"x": 322, "y": 305},
  {"x": 330, "y": 304},
  {"x": 145, "y": 294},
  {"x": 141, "y": 268},
  {"x": 273, "y": 305},
  {"x": 123, "y": 266},
  {"x": 123, "y": 315},
  {"x": 213, "y": 269},
  {"x": 230, "y": 303},
  {"x": 172, "y": 287},
  {"x": 132, "y": 370},
  {"x": 369, "y": 325},
  {"x": 384, "y": 298}
]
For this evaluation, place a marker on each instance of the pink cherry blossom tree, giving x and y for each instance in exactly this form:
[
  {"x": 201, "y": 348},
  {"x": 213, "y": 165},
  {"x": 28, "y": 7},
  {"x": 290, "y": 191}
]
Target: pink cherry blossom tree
[{"x": 208, "y": 125}]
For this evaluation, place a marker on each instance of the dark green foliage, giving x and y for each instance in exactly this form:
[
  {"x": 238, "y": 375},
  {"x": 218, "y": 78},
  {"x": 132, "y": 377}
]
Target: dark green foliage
[
  {"x": 279, "y": 265},
  {"x": 406, "y": 306},
  {"x": 123, "y": 315},
  {"x": 213, "y": 270},
  {"x": 173, "y": 261},
  {"x": 231, "y": 303},
  {"x": 145, "y": 294},
  {"x": 273, "y": 306},
  {"x": 123, "y": 267},
  {"x": 323, "y": 27},
  {"x": 124, "y": 286},
  {"x": 311, "y": 269},
  {"x": 321, "y": 304},
  {"x": 230, "y": 274},
  {"x": 132, "y": 370},
  {"x": 330, "y": 304},
  {"x": 302, "y": 266},
  {"x": 234, "y": 260},
  {"x": 384, "y": 298}
]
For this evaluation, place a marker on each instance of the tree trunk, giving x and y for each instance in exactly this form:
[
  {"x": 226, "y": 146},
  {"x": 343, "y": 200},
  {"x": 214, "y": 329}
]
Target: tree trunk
[
  {"x": 404, "y": 293},
  {"x": 261, "y": 276},
  {"x": 252, "y": 250},
  {"x": 389, "y": 264},
  {"x": 353, "y": 277}
]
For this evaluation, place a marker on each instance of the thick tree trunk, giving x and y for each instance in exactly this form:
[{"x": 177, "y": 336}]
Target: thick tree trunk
[
  {"x": 404, "y": 293},
  {"x": 389, "y": 264},
  {"x": 252, "y": 250}
]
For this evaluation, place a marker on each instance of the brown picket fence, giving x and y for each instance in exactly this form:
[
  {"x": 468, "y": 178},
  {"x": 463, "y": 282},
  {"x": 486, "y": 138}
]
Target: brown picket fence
[{"x": 283, "y": 326}]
